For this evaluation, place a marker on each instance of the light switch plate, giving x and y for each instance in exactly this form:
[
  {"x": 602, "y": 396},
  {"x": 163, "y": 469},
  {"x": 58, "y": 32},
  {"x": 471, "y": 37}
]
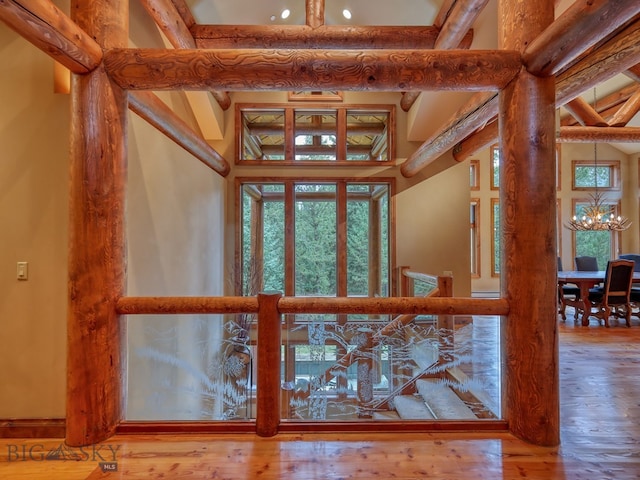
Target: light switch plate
[{"x": 23, "y": 270}]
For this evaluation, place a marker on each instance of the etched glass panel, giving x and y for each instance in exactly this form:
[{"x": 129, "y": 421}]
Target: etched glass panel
[{"x": 389, "y": 368}]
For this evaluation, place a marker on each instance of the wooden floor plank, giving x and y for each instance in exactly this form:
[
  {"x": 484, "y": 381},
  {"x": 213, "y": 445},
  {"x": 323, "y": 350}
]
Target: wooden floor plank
[{"x": 600, "y": 434}]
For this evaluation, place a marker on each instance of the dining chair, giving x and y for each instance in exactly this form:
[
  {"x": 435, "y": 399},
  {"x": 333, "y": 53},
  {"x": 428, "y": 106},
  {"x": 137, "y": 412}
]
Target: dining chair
[
  {"x": 587, "y": 264},
  {"x": 568, "y": 294},
  {"x": 613, "y": 298},
  {"x": 635, "y": 291}
]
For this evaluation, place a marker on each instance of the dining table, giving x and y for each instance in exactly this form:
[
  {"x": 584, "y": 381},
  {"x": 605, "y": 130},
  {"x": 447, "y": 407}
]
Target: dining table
[{"x": 585, "y": 280}]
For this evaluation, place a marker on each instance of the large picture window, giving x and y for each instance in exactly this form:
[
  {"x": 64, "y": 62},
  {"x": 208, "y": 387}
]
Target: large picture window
[
  {"x": 315, "y": 134},
  {"x": 320, "y": 238},
  {"x": 599, "y": 244}
]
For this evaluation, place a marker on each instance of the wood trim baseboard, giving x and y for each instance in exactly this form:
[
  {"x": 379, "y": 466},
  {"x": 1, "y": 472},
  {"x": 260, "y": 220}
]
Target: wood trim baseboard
[{"x": 32, "y": 428}]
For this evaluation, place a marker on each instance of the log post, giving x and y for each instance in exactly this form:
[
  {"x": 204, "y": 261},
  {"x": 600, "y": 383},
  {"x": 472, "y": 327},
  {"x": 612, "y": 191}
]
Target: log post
[
  {"x": 528, "y": 221},
  {"x": 365, "y": 371},
  {"x": 269, "y": 341},
  {"x": 97, "y": 250}
]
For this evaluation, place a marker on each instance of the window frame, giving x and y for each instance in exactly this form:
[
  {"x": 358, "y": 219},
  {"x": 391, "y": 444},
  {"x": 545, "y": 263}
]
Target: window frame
[
  {"x": 474, "y": 174},
  {"x": 615, "y": 237},
  {"x": 476, "y": 239},
  {"x": 289, "y": 227},
  {"x": 341, "y": 111},
  {"x": 615, "y": 174},
  {"x": 495, "y": 237}
]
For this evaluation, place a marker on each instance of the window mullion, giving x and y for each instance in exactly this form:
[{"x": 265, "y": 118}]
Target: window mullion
[
  {"x": 289, "y": 240},
  {"x": 341, "y": 240},
  {"x": 341, "y": 135},
  {"x": 289, "y": 134}
]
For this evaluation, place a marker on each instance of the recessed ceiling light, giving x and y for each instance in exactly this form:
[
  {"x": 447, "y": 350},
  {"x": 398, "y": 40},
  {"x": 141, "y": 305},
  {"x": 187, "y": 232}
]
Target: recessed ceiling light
[
  {"x": 346, "y": 13},
  {"x": 272, "y": 18},
  {"x": 285, "y": 14}
]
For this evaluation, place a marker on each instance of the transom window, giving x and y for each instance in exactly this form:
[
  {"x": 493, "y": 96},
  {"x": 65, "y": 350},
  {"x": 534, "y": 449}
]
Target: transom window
[
  {"x": 306, "y": 134},
  {"x": 587, "y": 176}
]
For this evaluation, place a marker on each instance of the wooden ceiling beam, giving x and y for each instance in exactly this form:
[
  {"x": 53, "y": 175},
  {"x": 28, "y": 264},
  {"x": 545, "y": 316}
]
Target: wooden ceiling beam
[
  {"x": 171, "y": 23},
  {"x": 627, "y": 111},
  {"x": 185, "y": 12},
  {"x": 323, "y": 37},
  {"x": 579, "y": 28},
  {"x": 285, "y": 70},
  {"x": 454, "y": 20},
  {"x": 48, "y": 28},
  {"x": 585, "y": 113},
  {"x": 149, "y": 107},
  {"x": 481, "y": 107},
  {"x": 458, "y": 23},
  {"x": 634, "y": 73},
  {"x": 443, "y": 13},
  {"x": 314, "y": 10},
  {"x": 615, "y": 56},
  {"x": 482, "y": 138},
  {"x": 599, "y": 134},
  {"x": 608, "y": 105}
]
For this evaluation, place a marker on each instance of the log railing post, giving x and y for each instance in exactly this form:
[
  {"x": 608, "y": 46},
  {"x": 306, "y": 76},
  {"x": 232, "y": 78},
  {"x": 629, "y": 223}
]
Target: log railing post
[
  {"x": 365, "y": 371},
  {"x": 528, "y": 235},
  {"x": 269, "y": 344},
  {"x": 97, "y": 245},
  {"x": 445, "y": 289}
]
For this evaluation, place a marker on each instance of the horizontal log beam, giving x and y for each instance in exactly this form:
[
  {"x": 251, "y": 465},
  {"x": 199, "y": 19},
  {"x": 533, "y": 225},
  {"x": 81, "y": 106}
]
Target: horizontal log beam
[
  {"x": 171, "y": 23},
  {"x": 367, "y": 305},
  {"x": 48, "y": 28},
  {"x": 324, "y": 37},
  {"x": 598, "y": 134},
  {"x": 185, "y": 305},
  {"x": 148, "y": 106},
  {"x": 395, "y": 305},
  {"x": 579, "y": 28},
  {"x": 272, "y": 70}
]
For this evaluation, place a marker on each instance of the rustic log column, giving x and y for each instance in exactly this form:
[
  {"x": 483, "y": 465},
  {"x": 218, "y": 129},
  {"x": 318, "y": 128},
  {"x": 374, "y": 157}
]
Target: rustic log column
[
  {"x": 528, "y": 220},
  {"x": 269, "y": 341},
  {"x": 97, "y": 250}
]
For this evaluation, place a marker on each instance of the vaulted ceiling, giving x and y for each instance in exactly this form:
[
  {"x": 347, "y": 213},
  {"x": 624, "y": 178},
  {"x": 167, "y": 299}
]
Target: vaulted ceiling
[
  {"x": 430, "y": 111},
  {"x": 440, "y": 56}
]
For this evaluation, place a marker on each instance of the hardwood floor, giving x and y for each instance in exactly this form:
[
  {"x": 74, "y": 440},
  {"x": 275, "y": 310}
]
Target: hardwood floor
[{"x": 600, "y": 431}]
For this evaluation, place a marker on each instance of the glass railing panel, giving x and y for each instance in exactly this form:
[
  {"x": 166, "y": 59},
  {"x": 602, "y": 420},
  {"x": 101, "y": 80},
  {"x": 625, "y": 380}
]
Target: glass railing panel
[
  {"x": 388, "y": 368},
  {"x": 190, "y": 367}
]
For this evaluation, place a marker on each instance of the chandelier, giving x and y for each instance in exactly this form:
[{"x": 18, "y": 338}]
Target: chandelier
[{"x": 598, "y": 215}]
